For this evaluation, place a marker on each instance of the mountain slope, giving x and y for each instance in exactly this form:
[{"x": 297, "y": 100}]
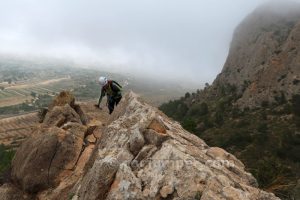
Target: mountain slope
[
  {"x": 264, "y": 57},
  {"x": 252, "y": 109},
  {"x": 140, "y": 154}
]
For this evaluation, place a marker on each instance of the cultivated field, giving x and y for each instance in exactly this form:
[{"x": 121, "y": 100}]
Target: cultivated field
[
  {"x": 25, "y": 92},
  {"x": 13, "y": 130}
]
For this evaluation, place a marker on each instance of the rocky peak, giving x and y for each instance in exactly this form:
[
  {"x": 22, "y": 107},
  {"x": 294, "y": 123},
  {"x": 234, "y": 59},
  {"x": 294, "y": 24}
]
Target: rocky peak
[
  {"x": 137, "y": 153},
  {"x": 264, "y": 57}
]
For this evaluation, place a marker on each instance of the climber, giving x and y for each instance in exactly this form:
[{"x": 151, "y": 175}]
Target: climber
[{"x": 112, "y": 90}]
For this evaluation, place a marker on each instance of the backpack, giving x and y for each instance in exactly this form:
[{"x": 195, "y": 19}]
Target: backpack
[{"x": 110, "y": 91}]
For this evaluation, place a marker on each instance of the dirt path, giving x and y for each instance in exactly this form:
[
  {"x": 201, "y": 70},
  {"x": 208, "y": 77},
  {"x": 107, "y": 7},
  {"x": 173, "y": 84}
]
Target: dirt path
[
  {"x": 96, "y": 116},
  {"x": 46, "y": 82}
]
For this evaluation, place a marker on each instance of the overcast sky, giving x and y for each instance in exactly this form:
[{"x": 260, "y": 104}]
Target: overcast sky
[{"x": 187, "y": 39}]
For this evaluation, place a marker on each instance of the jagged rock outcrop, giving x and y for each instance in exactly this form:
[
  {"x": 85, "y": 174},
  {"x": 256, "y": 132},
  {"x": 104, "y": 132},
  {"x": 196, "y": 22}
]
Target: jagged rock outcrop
[
  {"x": 140, "y": 154},
  {"x": 64, "y": 108},
  {"x": 264, "y": 58},
  {"x": 55, "y": 147}
]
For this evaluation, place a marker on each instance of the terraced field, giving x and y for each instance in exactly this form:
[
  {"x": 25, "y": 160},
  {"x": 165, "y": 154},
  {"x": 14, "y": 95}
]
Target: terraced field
[{"x": 14, "y": 130}]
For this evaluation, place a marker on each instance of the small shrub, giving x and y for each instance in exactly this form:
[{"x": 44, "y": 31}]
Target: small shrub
[
  {"x": 268, "y": 170},
  {"x": 5, "y": 161},
  {"x": 236, "y": 112},
  {"x": 219, "y": 119},
  {"x": 296, "y": 104},
  {"x": 262, "y": 127},
  {"x": 242, "y": 123},
  {"x": 264, "y": 104},
  {"x": 239, "y": 139},
  {"x": 281, "y": 98},
  {"x": 189, "y": 124},
  {"x": 187, "y": 95},
  {"x": 198, "y": 109}
]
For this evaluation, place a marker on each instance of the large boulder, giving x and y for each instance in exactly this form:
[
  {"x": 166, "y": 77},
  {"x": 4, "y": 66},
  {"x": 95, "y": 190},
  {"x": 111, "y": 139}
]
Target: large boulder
[
  {"x": 54, "y": 147},
  {"x": 41, "y": 158},
  {"x": 60, "y": 115}
]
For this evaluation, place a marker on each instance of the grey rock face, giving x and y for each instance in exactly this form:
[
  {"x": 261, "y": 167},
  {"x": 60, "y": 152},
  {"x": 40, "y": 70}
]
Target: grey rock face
[{"x": 264, "y": 58}]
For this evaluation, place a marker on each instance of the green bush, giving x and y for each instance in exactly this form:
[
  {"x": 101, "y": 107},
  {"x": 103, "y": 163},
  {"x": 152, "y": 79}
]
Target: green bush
[
  {"x": 189, "y": 124},
  {"x": 296, "y": 104},
  {"x": 264, "y": 104},
  {"x": 15, "y": 109},
  {"x": 242, "y": 123},
  {"x": 268, "y": 170},
  {"x": 198, "y": 109},
  {"x": 238, "y": 139},
  {"x": 281, "y": 98},
  {"x": 187, "y": 95},
  {"x": 219, "y": 118},
  {"x": 235, "y": 112},
  {"x": 265, "y": 139},
  {"x": 262, "y": 127},
  {"x": 208, "y": 122},
  {"x": 5, "y": 159},
  {"x": 176, "y": 109}
]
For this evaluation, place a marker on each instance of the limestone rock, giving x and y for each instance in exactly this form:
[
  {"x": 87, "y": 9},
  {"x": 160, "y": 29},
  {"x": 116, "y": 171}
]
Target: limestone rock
[
  {"x": 98, "y": 180},
  {"x": 136, "y": 141},
  {"x": 158, "y": 126},
  {"x": 91, "y": 138},
  {"x": 180, "y": 167},
  {"x": 135, "y": 157},
  {"x": 126, "y": 185},
  {"x": 31, "y": 164},
  {"x": 155, "y": 138},
  {"x": 42, "y": 157},
  {"x": 61, "y": 115},
  {"x": 64, "y": 97}
]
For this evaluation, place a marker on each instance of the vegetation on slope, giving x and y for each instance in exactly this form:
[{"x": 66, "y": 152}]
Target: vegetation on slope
[
  {"x": 5, "y": 162},
  {"x": 266, "y": 139},
  {"x": 41, "y": 102}
]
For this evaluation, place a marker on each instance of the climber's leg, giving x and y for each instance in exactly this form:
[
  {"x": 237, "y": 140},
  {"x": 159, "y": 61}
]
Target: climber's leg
[
  {"x": 118, "y": 99},
  {"x": 111, "y": 104}
]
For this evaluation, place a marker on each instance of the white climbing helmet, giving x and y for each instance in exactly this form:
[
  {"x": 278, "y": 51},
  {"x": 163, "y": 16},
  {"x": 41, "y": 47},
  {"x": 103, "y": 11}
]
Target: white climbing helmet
[{"x": 102, "y": 80}]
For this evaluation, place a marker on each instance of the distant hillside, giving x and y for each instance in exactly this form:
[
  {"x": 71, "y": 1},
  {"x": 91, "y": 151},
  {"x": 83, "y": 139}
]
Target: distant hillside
[
  {"x": 252, "y": 109},
  {"x": 28, "y": 85}
]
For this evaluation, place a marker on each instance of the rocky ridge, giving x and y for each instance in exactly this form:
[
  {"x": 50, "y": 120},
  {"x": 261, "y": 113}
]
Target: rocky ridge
[{"x": 140, "y": 154}]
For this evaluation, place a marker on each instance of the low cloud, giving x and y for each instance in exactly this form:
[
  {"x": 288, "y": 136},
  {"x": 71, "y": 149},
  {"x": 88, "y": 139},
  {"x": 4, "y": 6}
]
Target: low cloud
[{"x": 186, "y": 40}]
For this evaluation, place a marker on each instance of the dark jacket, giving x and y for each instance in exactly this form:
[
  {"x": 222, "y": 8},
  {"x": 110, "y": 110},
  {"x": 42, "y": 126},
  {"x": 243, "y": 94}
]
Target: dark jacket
[{"x": 111, "y": 89}]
